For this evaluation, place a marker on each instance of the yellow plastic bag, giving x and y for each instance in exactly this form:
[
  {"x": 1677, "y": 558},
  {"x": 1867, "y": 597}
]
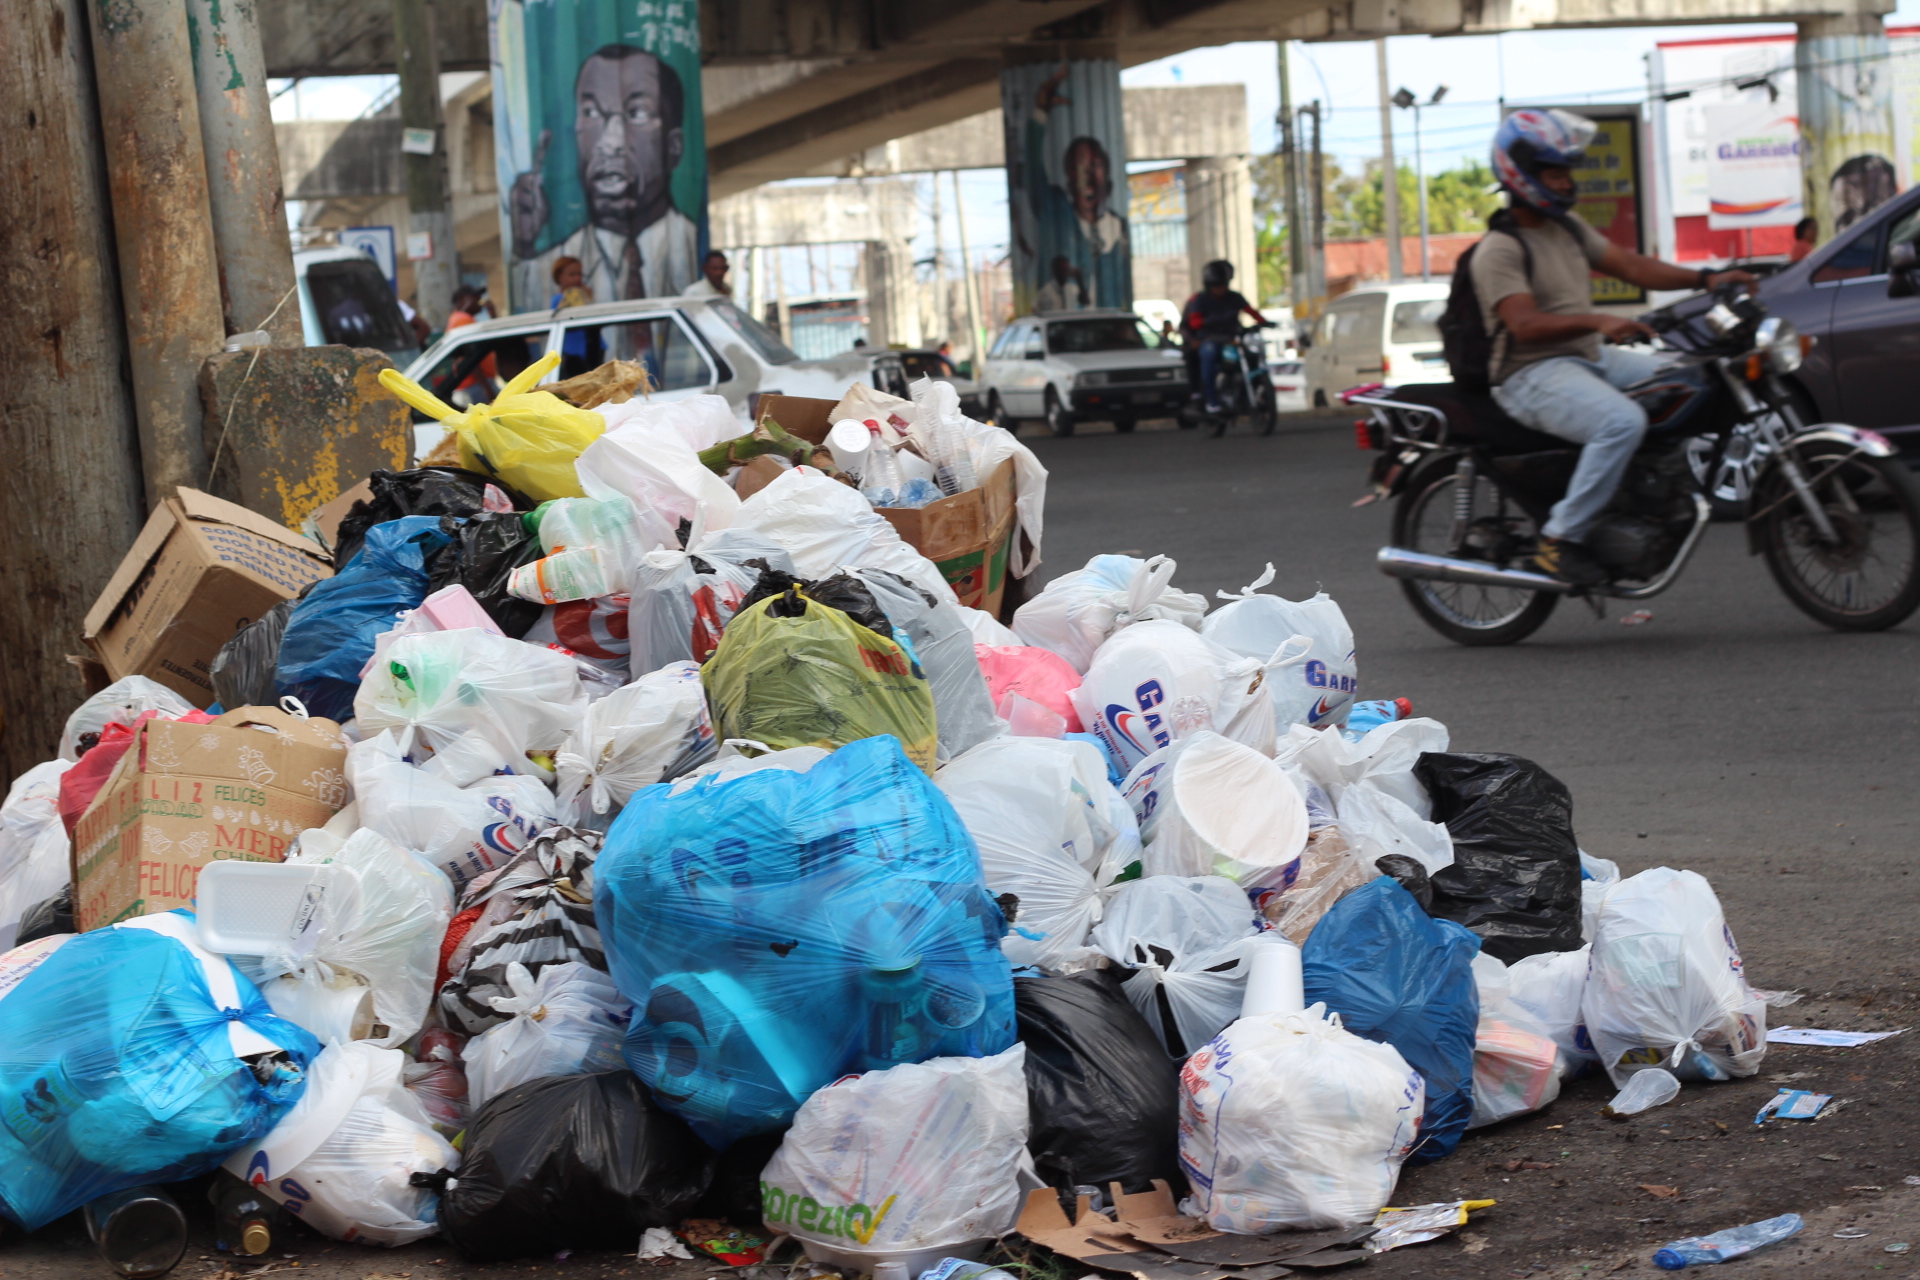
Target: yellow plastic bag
[
  {"x": 528, "y": 438},
  {"x": 792, "y": 672}
]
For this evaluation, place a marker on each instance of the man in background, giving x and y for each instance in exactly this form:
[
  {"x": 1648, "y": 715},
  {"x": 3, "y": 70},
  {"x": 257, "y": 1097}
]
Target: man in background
[{"x": 713, "y": 277}]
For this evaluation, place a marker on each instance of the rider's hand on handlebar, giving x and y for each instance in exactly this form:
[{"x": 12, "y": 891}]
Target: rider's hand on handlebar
[
  {"x": 1621, "y": 329},
  {"x": 1721, "y": 278}
]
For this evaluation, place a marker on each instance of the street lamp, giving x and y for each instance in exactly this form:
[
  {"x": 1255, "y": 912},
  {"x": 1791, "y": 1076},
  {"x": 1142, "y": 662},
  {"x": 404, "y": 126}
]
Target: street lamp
[{"x": 1403, "y": 99}]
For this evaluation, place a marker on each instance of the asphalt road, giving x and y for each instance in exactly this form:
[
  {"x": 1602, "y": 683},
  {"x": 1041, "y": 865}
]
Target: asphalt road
[{"x": 1729, "y": 735}]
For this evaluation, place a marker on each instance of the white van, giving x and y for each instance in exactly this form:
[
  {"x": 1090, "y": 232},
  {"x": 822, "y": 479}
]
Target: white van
[{"x": 1378, "y": 333}]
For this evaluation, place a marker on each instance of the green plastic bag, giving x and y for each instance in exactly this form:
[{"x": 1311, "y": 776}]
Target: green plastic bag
[{"x": 792, "y": 672}]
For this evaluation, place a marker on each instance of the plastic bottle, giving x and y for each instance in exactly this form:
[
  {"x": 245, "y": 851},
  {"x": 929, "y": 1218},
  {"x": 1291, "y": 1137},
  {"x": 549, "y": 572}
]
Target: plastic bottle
[
  {"x": 1363, "y": 716},
  {"x": 245, "y": 1220},
  {"x": 961, "y": 1269},
  {"x": 1705, "y": 1251},
  {"x": 140, "y": 1231}
]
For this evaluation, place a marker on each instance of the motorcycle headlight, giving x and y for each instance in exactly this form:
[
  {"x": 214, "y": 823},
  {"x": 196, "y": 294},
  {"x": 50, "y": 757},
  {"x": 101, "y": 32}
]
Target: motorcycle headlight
[{"x": 1779, "y": 341}]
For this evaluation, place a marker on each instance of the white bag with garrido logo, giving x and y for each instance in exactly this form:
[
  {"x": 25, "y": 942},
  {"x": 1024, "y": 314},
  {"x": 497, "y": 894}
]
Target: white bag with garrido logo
[
  {"x": 1317, "y": 692},
  {"x": 918, "y": 1159}
]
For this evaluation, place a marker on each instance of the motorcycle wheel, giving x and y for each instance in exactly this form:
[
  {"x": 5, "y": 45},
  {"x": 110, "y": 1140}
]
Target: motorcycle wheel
[
  {"x": 1870, "y": 579},
  {"x": 1725, "y": 469},
  {"x": 1466, "y": 614},
  {"x": 1266, "y": 411}
]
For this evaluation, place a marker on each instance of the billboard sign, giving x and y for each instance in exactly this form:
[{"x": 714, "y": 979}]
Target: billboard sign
[{"x": 1753, "y": 165}]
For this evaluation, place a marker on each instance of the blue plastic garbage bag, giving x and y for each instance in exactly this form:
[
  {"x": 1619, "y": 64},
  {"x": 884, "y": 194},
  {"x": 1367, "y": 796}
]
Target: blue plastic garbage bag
[
  {"x": 1398, "y": 976},
  {"x": 777, "y": 930},
  {"x": 128, "y": 1056},
  {"x": 330, "y": 635}
]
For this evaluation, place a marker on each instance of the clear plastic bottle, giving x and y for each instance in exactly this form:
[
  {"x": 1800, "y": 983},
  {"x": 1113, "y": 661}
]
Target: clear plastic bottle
[
  {"x": 961, "y": 1269},
  {"x": 1705, "y": 1251},
  {"x": 140, "y": 1231}
]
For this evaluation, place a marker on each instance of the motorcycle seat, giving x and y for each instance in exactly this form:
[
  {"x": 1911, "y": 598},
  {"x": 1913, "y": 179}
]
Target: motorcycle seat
[{"x": 1476, "y": 420}]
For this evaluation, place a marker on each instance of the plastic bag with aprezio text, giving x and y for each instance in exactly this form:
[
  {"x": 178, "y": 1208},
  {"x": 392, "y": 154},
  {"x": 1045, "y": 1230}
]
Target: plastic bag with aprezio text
[
  {"x": 920, "y": 1157},
  {"x": 1667, "y": 987},
  {"x": 342, "y": 1159},
  {"x": 1079, "y": 611},
  {"x": 112, "y": 1015},
  {"x": 1318, "y": 691}
]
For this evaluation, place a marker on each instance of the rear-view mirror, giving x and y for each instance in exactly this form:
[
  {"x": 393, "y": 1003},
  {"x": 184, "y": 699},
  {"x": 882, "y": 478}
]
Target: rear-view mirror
[{"x": 1902, "y": 264}]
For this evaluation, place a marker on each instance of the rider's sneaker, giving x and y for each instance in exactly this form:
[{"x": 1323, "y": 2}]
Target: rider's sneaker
[
  {"x": 1567, "y": 561},
  {"x": 1214, "y": 408}
]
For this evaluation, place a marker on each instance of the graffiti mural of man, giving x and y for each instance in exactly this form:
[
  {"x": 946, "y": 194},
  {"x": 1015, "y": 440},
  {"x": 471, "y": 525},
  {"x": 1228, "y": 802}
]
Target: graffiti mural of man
[{"x": 629, "y": 113}]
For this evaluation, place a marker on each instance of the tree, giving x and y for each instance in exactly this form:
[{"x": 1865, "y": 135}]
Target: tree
[{"x": 1458, "y": 199}]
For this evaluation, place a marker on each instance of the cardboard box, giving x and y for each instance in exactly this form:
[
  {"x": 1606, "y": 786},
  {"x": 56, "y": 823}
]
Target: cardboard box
[
  {"x": 968, "y": 535},
  {"x": 324, "y": 522},
  {"x": 200, "y": 570},
  {"x": 185, "y": 795}
]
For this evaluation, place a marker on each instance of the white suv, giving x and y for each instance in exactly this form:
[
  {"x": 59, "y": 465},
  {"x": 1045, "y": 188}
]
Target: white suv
[{"x": 1067, "y": 367}]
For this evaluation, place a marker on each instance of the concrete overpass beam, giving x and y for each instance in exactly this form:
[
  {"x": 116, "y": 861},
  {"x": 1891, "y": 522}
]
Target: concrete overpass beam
[{"x": 893, "y": 301}]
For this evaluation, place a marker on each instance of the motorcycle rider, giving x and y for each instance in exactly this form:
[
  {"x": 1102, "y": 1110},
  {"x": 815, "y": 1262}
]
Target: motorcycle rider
[
  {"x": 1554, "y": 367},
  {"x": 1212, "y": 316}
]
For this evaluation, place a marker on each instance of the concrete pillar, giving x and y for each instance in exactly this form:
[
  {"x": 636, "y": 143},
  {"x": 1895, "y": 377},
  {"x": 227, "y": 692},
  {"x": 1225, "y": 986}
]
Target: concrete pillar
[
  {"x": 73, "y": 449},
  {"x": 248, "y": 205},
  {"x": 893, "y": 303},
  {"x": 169, "y": 273},
  {"x": 1220, "y": 220},
  {"x": 430, "y": 210},
  {"x": 1066, "y": 147},
  {"x": 1845, "y": 86}
]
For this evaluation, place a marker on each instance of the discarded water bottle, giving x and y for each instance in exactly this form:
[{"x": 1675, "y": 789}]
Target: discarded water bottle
[
  {"x": 961, "y": 1269},
  {"x": 1646, "y": 1089},
  {"x": 141, "y": 1231},
  {"x": 244, "y": 1218},
  {"x": 1363, "y": 716},
  {"x": 1705, "y": 1251}
]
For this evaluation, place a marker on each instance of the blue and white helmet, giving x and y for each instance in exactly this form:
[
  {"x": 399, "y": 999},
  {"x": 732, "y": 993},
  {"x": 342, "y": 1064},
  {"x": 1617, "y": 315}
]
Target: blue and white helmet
[{"x": 1529, "y": 141}]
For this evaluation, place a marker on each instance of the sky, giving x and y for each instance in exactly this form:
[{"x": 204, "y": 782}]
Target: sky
[{"x": 1561, "y": 68}]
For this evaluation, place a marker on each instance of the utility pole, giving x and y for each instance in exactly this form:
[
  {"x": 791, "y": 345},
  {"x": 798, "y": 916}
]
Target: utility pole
[
  {"x": 1297, "y": 271},
  {"x": 1406, "y": 101},
  {"x": 1390, "y": 174},
  {"x": 169, "y": 274},
  {"x": 73, "y": 464},
  {"x": 248, "y": 205},
  {"x": 966, "y": 274},
  {"x": 430, "y": 221},
  {"x": 1317, "y": 214},
  {"x": 942, "y": 311}
]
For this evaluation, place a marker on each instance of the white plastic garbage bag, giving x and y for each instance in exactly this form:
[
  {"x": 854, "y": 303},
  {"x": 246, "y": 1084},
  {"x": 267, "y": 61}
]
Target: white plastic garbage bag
[
  {"x": 1381, "y": 807},
  {"x": 1186, "y": 936},
  {"x": 35, "y": 854},
  {"x": 592, "y": 546},
  {"x": 648, "y": 461},
  {"x": 342, "y": 1158},
  {"x": 465, "y": 831},
  {"x": 1078, "y": 612},
  {"x": 1549, "y": 986},
  {"x": 119, "y": 703},
  {"x": 1158, "y": 681},
  {"x": 519, "y": 698},
  {"x": 568, "y": 1021},
  {"x": 1211, "y": 806},
  {"x": 963, "y": 708},
  {"x": 1051, "y": 831},
  {"x": 656, "y": 728},
  {"x": 683, "y": 600},
  {"x": 1516, "y": 1064},
  {"x": 702, "y": 421},
  {"x": 1317, "y": 692},
  {"x": 593, "y": 632},
  {"x": 825, "y": 526},
  {"x": 986, "y": 628},
  {"x": 1601, "y": 874},
  {"x": 382, "y": 922},
  {"x": 916, "y": 1159},
  {"x": 1291, "y": 1122},
  {"x": 1666, "y": 987}
]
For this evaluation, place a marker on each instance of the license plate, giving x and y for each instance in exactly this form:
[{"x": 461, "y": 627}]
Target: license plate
[{"x": 1146, "y": 397}]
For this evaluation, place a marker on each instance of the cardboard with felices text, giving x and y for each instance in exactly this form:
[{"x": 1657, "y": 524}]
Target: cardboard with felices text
[{"x": 185, "y": 795}]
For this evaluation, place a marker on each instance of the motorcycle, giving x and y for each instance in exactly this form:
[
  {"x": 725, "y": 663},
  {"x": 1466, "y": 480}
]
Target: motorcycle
[
  {"x": 1243, "y": 386},
  {"x": 1832, "y": 508}
]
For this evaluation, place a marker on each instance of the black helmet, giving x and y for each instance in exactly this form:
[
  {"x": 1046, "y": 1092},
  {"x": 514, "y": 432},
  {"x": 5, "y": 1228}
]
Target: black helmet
[{"x": 1219, "y": 271}]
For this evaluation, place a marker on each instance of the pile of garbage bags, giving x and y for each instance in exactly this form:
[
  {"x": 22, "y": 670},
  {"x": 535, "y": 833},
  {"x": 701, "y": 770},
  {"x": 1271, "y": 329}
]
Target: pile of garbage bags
[{"x": 808, "y": 892}]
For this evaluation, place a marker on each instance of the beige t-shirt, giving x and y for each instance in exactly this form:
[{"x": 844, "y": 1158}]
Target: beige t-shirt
[{"x": 1562, "y": 284}]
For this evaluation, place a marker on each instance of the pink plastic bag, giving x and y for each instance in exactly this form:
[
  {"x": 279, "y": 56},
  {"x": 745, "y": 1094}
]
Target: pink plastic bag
[{"x": 1038, "y": 675}]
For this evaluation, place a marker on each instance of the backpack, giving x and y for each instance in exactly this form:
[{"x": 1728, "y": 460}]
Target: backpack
[{"x": 1463, "y": 334}]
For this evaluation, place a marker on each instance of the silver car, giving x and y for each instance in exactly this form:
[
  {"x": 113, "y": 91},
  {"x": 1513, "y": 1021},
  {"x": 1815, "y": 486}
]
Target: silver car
[{"x": 1079, "y": 366}]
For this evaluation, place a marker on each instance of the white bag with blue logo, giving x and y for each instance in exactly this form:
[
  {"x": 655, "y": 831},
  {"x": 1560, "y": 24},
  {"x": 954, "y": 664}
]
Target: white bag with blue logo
[
  {"x": 1316, "y": 692},
  {"x": 1158, "y": 681}
]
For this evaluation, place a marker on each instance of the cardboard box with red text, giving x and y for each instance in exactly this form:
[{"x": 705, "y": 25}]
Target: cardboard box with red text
[{"x": 185, "y": 795}]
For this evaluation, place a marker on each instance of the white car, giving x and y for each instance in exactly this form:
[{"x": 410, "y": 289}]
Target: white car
[
  {"x": 690, "y": 346},
  {"x": 1069, "y": 367},
  {"x": 1289, "y": 386},
  {"x": 1378, "y": 333}
]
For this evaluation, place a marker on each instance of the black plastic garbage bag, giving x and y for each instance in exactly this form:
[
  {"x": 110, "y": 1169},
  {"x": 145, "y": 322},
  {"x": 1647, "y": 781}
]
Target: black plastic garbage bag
[
  {"x": 1411, "y": 875},
  {"x": 1103, "y": 1097},
  {"x": 423, "y": 491},
  {"x": 47, "y": 917},
  {"x": 244, "y": 671},
  {"x": 485, "y": 550},
  {"x": 842, "y": 591},
  {"x": 1515, "y": 878},
  {"x": 571, "y": 1162}
]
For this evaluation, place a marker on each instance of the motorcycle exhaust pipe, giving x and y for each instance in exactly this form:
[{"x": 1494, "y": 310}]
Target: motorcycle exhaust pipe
[{"x": 1398, "y": 562}]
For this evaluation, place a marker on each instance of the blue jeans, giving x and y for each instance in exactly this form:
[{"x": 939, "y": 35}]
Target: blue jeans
[
  {"x": 1580, "y": 401},
  {"x": 1210, "y": 368}
]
